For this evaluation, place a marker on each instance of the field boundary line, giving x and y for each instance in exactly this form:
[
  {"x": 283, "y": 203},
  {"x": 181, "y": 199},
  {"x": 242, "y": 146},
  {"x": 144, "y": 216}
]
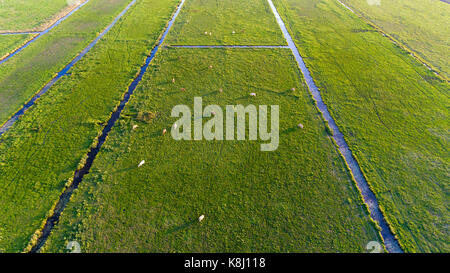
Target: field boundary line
[
  {"x": 11, "y": 120},
  {"x": 41, "y": 33},
  {"x": 390, "y": 241},
  {"x": 41, "y": 235}
]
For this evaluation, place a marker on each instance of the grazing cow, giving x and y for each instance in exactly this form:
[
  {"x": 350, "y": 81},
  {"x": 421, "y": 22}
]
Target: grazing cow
[{"x": 141, "y": 163}]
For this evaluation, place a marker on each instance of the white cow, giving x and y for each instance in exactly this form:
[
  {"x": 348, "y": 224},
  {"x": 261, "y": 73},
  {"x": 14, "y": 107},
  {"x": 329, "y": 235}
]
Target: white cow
[{"x": 141, "y": 163}]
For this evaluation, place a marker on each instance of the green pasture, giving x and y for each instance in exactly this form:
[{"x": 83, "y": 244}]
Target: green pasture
[
  {"x": 421, "y": 25},
  {"x": 298, "y": 198},
  {"x": 23, "y": 15},
  {"x": 392, "y": 111},
  {"x": 231, "y": 22},
  {"x": 40, "y": 153},
  {"x": 8, "y": 43},
  {"x": 27, "y": 72}
]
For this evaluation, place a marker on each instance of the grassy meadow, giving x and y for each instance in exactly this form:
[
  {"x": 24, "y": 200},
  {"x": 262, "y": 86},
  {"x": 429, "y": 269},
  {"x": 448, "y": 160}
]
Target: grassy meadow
[
  {"x": 27, "y": 72},
  {"x": 299, "y": 198},
  {"x": 41, "y": 152},
  {"x": 9, "y": 43},
  {"x": 391, "y": 109},
  {"x": 23, "y": 15},
  {"x": 393, "y": 112},
  {"x": 231, "y": 22},
  {"x": 421, "y": 25}
]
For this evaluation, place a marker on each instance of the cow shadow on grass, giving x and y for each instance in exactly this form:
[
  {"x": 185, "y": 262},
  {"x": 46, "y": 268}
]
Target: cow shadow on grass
[
  {"x": 184, "y": 92},
  {"x": 127, "y": 169},
  {"x": 286, "y": 93},
  {"x": 181, "y": 227},
  {"x": 210, "y": 93},
  {"x": 289, "y": 130},
  {"x": 174, "y": 93}
]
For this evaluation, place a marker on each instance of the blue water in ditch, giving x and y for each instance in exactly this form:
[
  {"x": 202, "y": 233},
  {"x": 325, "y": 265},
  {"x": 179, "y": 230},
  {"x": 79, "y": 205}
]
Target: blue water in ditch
[
  {"x": 369, "y": 197},
  {"x": 347, "y": 7},
  {"x": 5, "y": 127},
  {"x": 79, "y": 174},
  {"x": 41, "y": 33}
]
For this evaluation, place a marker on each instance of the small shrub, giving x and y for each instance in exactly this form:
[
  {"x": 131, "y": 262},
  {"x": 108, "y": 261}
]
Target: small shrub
[{"x": 145, "y": 116}]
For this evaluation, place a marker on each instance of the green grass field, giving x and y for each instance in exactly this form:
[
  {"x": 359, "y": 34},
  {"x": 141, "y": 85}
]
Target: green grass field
[
  {"x": 10, "y": 42},
  {"x": 297, "y": 198},
  {"x": 393, "y": 113},
  {"x": 23, "y": 15},
  {"x": 27, "y": 72},
  {"x": 391, "y": 109},
  {"x": 422, "y": 25},
  {"x": 251, "y": 21},
  {"x": 40, "y": 154}
]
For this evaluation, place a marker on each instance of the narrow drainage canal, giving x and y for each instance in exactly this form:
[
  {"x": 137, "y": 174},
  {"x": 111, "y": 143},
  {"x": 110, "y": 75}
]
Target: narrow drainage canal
[
  {"x": 8, "y": 124},
  {"x": 43, "y": 32},
  {"x": 79, "y": 174},
  {"x": 347, "y": 7},
  {"x": 369, "y": 197}
]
